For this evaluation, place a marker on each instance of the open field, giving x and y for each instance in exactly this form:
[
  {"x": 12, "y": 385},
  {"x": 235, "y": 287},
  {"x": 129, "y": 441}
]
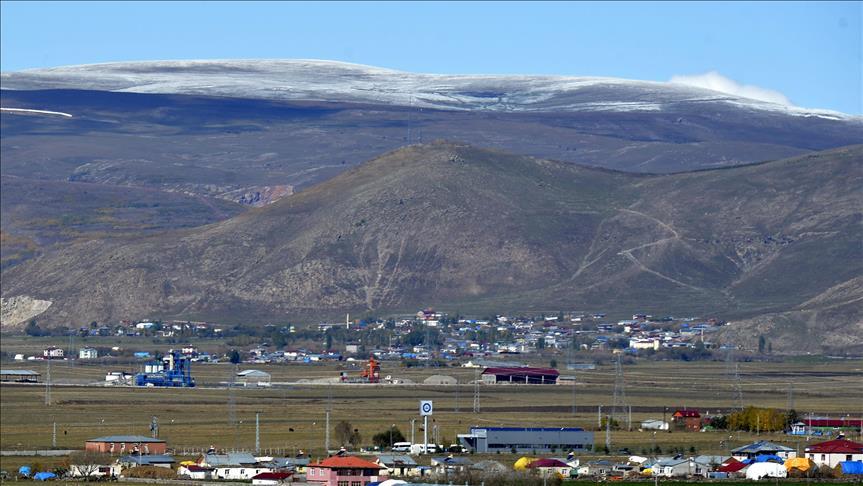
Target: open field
[{"x": 292, "y": 416}]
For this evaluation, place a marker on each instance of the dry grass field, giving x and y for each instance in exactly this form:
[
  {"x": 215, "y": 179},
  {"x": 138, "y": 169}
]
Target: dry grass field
[{"x": 292, "y": 415}]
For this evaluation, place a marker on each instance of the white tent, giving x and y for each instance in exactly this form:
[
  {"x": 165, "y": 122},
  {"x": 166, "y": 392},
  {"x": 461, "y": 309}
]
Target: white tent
[{"x": 766, "y": 470}]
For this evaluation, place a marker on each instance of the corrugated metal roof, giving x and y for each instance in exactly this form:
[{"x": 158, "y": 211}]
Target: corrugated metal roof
[
  {"x": 525, "y": 371},
  {"x": 149, "y": 459},
  {"x": 125, "y": 438},
  {"x": 531, "y": 429},
  {"x": 19, "y": 372}
]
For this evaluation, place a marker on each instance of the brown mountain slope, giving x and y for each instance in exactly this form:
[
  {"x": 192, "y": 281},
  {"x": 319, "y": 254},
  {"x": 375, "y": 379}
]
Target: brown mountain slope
[{"x": 474, "y": 230}]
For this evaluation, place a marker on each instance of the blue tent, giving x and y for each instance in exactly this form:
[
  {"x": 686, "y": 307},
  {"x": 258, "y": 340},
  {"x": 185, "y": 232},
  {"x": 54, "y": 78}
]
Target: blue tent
[
  {"x": 44, "y": 476},
  {"x": 852, "y": 467},
  {"x": 24, "y": 471},
  {"x": 769, "y": 458}
]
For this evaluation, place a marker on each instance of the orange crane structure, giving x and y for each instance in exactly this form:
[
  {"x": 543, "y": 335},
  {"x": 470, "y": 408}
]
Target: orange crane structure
[{"x": 372, "y": 373}]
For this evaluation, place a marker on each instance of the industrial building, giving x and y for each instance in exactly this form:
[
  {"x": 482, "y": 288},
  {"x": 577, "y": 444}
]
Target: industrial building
[
  {"x": 126, "y": 444},
  {"x": 526, "y": 439},
  {"x": 541, "y": 376},
  {"x": 175, "y": 370}
]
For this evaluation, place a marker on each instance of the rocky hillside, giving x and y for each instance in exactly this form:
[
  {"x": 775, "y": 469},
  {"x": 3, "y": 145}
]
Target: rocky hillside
[{"x": 470, "y": 230}]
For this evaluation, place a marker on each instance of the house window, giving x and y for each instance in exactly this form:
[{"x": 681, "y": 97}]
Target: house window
[
  {"x": 848, "y": 457},
  {"x": 823, "y": 457},
  {"x": 356, "y": 483},
  {"x": 343, "y": 483}
]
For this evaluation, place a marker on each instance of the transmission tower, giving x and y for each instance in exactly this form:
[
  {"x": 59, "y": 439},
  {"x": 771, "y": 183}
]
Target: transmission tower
[
  {"x": 476, "y": 391},
  {"x": 619, "y": 391},
  {"x": 733, "y": 371}
]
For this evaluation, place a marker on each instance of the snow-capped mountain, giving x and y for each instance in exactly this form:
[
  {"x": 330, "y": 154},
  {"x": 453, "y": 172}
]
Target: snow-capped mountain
[{"x": 344, "y": 82}]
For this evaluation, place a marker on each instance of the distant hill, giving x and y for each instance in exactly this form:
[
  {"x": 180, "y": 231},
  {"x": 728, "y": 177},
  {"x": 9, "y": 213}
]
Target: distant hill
[
  {"x": 239, "y": 134},
  {"x": 472, "y": 230}
]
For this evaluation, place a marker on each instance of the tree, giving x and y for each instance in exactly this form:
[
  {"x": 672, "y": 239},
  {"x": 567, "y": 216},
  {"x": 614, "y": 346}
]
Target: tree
[
  {"x": 552, "y": 363},
  {"x": 346, "y": 434},
  {"x": 388, "y": 437},
  {"x": 33, "y": 328},
  {"x": 86, "y": 463},
  {"x": 234, "y": 356},
  {"x": 329, "y": 341},
  {"x": 540, "y": 343},
  {"x": 761, "y": 343}
]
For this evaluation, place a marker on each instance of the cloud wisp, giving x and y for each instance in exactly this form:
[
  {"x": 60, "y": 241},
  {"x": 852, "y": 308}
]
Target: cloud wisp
[{"x": 717, "y": 82}]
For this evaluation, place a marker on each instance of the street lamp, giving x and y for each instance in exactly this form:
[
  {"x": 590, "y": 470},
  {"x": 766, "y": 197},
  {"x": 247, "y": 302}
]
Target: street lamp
[{"x": 391, "y": 436}]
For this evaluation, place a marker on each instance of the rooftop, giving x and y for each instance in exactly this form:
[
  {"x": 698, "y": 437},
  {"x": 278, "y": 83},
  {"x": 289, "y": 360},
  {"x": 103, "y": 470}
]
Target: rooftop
[
  {"x": 837, "y": 446},
  {"x": 345, "y": 462},
  {"x": 126, "y": 438}
]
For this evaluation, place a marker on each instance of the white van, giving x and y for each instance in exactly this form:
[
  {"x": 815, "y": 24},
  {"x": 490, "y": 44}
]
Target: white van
[
  {"x": 402, "y": 447},
  {"x": 419, "y": 449}
]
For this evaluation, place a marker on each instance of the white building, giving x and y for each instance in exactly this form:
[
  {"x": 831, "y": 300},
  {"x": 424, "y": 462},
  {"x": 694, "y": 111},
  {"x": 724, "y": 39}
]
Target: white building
[
  {"x": 52, "y": 352},
  {"x": 644, "y": 344},
  {"x": 88, "y": 353},
  {"x": 832, "y": 452}
]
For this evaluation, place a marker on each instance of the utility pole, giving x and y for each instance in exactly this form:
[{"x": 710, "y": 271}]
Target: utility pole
[
  {"x": 574, "y": 408},
  {"x": 54, "y": 433},
  {"x": 48, "y": 384},
  {"x": 413, "y": 423},
  {"x": 232, "y": 404},
  {"x": 476, "y": 406},
  {"x": 790, "y": 405},
  {"x": 599, "y": 416},
  {"x": 425, "y": 434},
  {"x": 257, "y": 432},
  {"x": 456, "y": 396},
  {"x": 329, "y": 408}
]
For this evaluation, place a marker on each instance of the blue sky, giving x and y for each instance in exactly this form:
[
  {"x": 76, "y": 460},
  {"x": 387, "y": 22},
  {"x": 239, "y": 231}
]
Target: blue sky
[{"x": 808, "y": 52}]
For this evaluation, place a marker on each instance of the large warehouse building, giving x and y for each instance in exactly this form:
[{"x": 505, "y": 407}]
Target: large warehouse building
[
  {"x": 526, "y": 439},
  {"x": 542, "y": 376}
]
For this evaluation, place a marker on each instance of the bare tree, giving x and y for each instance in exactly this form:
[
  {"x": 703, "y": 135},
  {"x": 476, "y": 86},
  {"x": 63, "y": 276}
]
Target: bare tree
[{"x": 86, "y": 463}]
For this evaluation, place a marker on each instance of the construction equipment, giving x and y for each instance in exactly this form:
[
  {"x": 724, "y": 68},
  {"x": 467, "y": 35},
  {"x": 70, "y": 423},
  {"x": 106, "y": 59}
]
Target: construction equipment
[
  {"x": 175, "y": 370},
  {"x": 372, "y": 373}
]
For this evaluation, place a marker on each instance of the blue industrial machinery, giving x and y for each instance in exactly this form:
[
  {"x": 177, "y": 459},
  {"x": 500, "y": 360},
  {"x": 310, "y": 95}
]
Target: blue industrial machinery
[{"x": 175, "y": 370}]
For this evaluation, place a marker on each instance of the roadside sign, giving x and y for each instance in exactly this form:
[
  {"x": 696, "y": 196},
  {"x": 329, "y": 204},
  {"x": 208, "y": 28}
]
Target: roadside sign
[{"x": 426, "y": 407}]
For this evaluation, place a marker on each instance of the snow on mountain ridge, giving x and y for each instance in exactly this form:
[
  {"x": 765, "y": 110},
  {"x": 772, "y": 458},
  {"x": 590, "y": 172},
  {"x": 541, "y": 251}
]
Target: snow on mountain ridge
[{"x": 346, "y": 82}]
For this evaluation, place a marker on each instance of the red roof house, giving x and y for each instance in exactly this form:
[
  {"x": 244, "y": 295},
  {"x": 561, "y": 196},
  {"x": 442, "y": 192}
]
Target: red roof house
[
  {"x": 688, "y": 419},
  {"x": 271, "y": 478},
  {"x": 732, "y": 465},
  {"x": 832, "y": 452},
  {"x": 336, "y": 470}
]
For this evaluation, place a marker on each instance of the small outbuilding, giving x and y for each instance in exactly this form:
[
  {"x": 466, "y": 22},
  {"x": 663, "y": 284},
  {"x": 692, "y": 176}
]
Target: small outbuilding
[
  {"x": 254, "y": 378},
  {"x": 20, "y": 376}
]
